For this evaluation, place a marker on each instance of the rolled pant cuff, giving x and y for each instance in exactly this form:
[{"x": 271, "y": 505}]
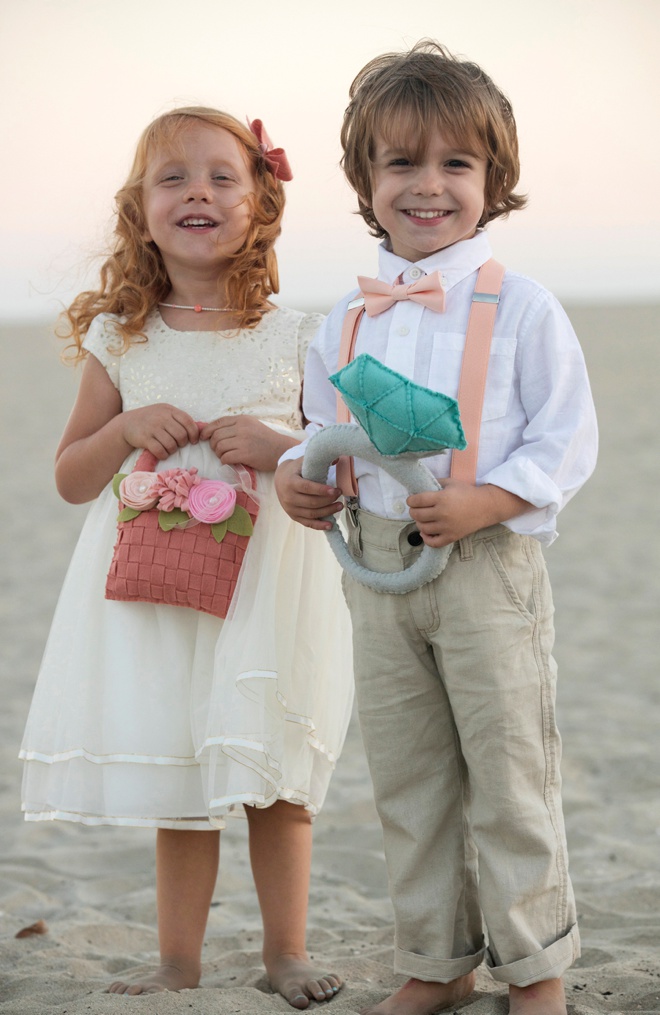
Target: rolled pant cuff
[
  {"x": 425, "y": 967},
  {"x": 545, "y": 965}
]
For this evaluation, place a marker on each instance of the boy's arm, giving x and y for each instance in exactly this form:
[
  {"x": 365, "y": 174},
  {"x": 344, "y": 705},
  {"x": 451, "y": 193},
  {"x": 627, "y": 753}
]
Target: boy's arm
[
  {"x": 459, "y": 509},
  {"x": 303, "y": 500}
]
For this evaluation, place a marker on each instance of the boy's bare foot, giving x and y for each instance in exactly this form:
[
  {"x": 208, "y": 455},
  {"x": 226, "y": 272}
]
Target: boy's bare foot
[
  {"x": 166, "y": 977},
  {"x": 546, "y": 997},
  {"x": 419, "y": 997},
  {"x": 299, "y": 981}
]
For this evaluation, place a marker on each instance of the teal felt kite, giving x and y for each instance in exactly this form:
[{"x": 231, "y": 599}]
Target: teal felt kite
[{"x": 399, "y": 422}]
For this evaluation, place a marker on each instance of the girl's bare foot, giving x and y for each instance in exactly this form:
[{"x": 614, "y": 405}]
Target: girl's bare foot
[
  {"x": 419, "y": 997},
  {"x": 543, "y": 998},
  {"x": 299, "y": 981},
  {"x": 166, "y": 977}
]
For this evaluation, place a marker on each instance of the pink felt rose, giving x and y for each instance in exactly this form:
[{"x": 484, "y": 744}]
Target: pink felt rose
[
  {"x": 212, "y": 501},
  {"x": 173, "y": 488},
  {"x": 138, "y": 490}
]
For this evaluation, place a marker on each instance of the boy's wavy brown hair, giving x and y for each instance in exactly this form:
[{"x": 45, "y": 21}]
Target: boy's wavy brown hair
[
  {"x": 400, "y": 97},
  {"x": 133, "y": 279}
]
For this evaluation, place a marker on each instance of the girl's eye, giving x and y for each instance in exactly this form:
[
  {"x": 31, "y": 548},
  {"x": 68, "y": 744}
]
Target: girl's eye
[{"x": 458, "y": 164}]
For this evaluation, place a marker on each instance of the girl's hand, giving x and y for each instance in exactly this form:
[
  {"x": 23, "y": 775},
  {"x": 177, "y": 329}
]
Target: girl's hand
[
  {"x": 159, "y": 428},
  {"x": 303, "y": 500},
  {"x": 460, "y": 509},
  {"x": 244, "y": 440}
]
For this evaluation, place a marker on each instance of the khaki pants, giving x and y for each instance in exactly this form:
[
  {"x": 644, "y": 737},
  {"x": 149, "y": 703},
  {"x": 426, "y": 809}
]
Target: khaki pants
[{"x": 456, "y": 696}]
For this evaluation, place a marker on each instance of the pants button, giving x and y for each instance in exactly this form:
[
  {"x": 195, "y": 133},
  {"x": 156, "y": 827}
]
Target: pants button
[{"x": 415, "y": 538}]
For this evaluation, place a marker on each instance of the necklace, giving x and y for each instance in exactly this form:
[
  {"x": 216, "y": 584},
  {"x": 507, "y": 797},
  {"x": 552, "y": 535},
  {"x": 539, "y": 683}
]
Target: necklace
[{"x": 198, "y": 308}]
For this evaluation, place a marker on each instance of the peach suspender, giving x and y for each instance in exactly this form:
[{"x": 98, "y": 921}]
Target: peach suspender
[{"x": 474, "y": 371}]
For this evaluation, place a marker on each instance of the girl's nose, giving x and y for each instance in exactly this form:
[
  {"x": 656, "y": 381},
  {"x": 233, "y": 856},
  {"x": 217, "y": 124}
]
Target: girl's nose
[{"x": 198, "y": 189}]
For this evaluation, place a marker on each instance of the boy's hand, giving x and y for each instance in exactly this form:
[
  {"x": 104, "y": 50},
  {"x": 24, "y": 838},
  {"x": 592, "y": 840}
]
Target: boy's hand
[
  {"x": 245, "y": 440},
  {"x": 159, "y": 428},
  {"x": 460, "y": 509},
  {"x": 304, "y": 501}
]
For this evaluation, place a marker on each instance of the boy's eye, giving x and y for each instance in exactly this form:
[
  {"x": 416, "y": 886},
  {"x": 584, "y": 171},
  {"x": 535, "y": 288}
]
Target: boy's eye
[
  {"x": 458, "y": 164},
  {"x": 400, "y": 161}
]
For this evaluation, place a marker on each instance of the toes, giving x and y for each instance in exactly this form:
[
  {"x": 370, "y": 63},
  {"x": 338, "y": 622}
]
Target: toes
[
  {"x": 324, "y": 988},
  {"x": 297, "y": 1000},
  {"x": 116, "y": 988}
]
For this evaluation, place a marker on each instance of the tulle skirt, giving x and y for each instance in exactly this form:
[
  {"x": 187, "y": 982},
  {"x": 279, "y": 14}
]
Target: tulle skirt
[{"x": 162, "y": 716}]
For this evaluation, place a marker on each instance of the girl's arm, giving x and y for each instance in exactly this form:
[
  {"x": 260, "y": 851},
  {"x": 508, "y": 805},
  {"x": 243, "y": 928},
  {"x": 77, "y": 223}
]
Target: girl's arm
[
  {"x": 244, "y": 440},
  {"x": 99, "y": 436}
]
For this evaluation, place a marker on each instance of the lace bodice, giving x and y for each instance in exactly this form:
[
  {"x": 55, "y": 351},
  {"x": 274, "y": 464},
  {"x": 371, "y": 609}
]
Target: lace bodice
[{"x": 256, "y": 372}]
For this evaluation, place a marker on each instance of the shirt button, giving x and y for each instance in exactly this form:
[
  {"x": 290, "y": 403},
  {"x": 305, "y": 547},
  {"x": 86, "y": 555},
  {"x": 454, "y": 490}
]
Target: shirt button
[
  {"x": 443, "y": 279},
  {"x": 398, "y": 507},
  {"x": 416, "y": 272},
  {"x": 403, "y": 330}
]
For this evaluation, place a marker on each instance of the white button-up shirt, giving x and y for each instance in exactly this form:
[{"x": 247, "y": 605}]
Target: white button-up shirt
[{"x": 538, "y": 435}]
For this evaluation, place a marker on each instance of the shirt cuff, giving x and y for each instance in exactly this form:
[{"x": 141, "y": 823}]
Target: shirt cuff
[
  {"x": 523, "y": 478},
  {"x": 291, "y": 454}
]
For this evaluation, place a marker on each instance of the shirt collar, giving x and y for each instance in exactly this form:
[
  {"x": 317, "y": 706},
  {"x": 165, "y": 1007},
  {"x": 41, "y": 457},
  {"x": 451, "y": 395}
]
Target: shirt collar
[{"x": 454, "y": 263}]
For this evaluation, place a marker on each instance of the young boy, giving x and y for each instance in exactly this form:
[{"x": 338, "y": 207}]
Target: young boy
[{"x": 455, "y": 680}]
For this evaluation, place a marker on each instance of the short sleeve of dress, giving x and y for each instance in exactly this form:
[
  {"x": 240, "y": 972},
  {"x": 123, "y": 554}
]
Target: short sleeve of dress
[
  {"x": 102, "y": 340},
  {"x": 309, "y": 325}
]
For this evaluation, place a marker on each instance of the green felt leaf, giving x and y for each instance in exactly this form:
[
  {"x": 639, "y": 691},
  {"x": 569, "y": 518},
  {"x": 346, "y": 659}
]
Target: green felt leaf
[
  {"x": 219, "y": 530},
  {"x": 116, "y": 480},
  {"x": 168, "y": 520},
  {"x": 240, "y": 522},
  {"x": 128, "y": 514}
]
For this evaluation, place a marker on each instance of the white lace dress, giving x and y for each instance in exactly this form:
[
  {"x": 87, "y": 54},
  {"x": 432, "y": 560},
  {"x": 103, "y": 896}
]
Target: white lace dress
[{"x": 164, "y": 716}]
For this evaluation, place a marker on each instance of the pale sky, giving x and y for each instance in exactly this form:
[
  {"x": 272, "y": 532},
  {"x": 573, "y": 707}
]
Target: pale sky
[{"x": 80, "y": 79}]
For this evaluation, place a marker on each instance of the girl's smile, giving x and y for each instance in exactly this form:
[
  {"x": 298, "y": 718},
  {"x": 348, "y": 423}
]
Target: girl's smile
[{"x": 427, "y": 203}]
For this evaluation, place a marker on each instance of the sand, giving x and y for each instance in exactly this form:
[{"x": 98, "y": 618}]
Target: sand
[{"x": 94, "y": 888}]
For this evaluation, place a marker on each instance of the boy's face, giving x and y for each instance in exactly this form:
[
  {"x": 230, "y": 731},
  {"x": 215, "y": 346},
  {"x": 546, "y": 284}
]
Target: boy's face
[{"x": 426, "y": 204}]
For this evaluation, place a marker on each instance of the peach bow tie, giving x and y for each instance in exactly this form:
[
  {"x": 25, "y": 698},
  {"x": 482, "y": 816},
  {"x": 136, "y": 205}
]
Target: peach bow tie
[{"x": 380, "y": 296}]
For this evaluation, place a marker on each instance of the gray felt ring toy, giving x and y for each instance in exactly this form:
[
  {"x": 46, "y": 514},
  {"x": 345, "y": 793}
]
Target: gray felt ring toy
[{"x": 350, "y": 439}]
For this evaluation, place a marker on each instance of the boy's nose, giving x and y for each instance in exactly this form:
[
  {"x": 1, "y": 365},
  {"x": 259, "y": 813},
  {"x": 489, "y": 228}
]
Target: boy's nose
[{"x": 428, "y": 181}]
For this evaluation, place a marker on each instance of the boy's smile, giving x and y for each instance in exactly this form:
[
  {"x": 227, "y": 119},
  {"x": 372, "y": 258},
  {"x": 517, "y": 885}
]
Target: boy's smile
[{"x": 427, "y": 203}]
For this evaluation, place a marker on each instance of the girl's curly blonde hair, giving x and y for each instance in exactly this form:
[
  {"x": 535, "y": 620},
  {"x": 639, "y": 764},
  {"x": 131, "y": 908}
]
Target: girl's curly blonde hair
[{"x": 133, "y": 279}]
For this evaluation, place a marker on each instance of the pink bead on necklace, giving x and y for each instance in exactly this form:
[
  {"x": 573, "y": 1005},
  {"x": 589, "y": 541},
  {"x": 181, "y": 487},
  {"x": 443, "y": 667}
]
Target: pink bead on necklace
[{"x": 198, "y": 308}]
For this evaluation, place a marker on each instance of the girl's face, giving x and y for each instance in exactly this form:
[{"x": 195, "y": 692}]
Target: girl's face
[{"x": 195, "y": 201}]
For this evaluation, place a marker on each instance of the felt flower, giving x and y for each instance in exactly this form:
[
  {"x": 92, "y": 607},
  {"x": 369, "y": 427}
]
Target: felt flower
[
  {"x": 138, "y": 490},
  {"x": 211, "y": 501},
  {"x": 173, "y": 488}
]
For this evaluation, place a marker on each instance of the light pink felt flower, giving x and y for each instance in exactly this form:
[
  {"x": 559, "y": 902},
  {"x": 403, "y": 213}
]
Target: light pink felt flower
[
  {"x": 139, "y": 491},
  {"x": 212, "y": 501},
  {"x": 174, "y": 486}
]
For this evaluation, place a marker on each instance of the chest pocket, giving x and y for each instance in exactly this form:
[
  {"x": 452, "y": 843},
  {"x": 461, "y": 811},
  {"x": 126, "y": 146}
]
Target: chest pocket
[{"x": 445, "y": 370}]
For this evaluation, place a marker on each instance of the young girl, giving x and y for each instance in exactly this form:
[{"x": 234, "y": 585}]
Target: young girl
[{"x": 158, "y": 715}]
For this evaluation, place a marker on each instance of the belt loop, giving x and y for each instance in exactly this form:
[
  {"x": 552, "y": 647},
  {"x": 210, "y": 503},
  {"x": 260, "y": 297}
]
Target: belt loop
[{"x": 465, "y": 548}]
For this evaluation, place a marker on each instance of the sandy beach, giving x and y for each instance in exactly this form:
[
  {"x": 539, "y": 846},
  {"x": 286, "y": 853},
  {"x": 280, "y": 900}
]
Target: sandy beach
[{"x": 94, "y": 888}]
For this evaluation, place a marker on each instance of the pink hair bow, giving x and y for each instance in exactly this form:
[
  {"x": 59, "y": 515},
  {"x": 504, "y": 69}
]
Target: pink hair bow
[
  {"x": 275, "y": 157},
  {"x": 380, "y": 296}
]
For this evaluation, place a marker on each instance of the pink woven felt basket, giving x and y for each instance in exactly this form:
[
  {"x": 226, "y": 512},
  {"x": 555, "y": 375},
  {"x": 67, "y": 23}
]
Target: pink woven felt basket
[{"x": 180, "y": 567}]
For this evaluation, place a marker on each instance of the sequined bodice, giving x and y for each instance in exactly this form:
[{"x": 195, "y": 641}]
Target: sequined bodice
[{"x": 257, "y": 372}]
